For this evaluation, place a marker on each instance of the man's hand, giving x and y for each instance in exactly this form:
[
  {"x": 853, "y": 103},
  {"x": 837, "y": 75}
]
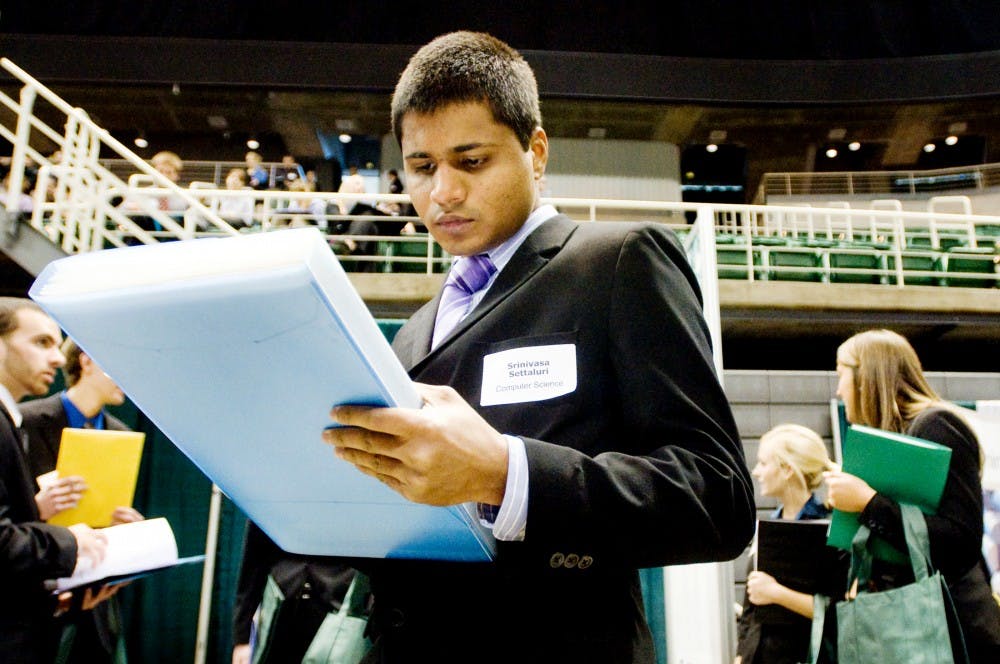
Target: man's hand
[
  {"x": 92, "y": 598},
  {"x": 441, "y": 454},
  {"x": 61, "y": 494},
  {"x": 125, "y": 514},
  {"x": 846, "y": 492},
  {"x": 91, "y": 545},
  {"x": 241, "y": 653}
]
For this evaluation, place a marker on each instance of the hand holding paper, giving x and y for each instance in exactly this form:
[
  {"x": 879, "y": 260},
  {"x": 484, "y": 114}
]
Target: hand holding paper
[
  {"x": 130, "y": 547},
  {"x": 58, "y": 493}
]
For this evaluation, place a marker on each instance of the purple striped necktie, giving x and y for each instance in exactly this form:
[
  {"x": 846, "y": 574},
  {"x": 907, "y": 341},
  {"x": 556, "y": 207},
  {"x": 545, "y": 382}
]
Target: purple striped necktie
[{"x": 466, "y": 277}]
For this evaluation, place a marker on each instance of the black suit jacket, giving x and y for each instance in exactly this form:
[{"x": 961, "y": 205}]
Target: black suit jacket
[
  {"x": 44, "y": 420},
  {"x": 30, "y": 552},
  {"x": 640, "y": 466}
]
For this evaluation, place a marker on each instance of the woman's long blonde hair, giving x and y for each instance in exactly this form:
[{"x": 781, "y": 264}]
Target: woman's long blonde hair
[
  {"x": 889, "y": 383},
  {"x": 890, "y": 389}
]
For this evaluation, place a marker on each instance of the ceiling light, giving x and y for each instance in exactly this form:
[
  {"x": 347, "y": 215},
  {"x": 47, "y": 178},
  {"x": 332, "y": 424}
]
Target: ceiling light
[
  {"x": 217, "y": 121},
  {"x": 951, "y": 140},
  {"x": 854, "y": 146},
  {"x": 597, "y": 132},
  {"x": 957, "y": 127},
  {"x": 717, "y": 136},
  {"x": 175, "y": 89},
  {"x": 929, "y": 147},
  {"x": 831, "y": 153},
  {"x": 345, "y": 138},
  {"x": 253, "y": 143},
  {"x": 836, "y": 134},
  {"x": 140, "y": 141}
]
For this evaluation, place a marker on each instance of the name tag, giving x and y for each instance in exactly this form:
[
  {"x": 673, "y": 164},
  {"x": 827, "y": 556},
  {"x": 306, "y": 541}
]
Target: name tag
[{"x": 520, "y": 375}]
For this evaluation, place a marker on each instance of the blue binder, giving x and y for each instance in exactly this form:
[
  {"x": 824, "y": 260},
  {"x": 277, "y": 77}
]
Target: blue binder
[{"x": 237, "y": 348}]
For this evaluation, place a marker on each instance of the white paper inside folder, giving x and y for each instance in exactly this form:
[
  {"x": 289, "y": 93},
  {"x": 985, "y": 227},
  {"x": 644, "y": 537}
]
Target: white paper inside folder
[{"x": 237, "y": 348}]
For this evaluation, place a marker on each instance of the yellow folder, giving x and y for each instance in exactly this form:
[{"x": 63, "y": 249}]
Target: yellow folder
[{"x": 109, "y": 462}]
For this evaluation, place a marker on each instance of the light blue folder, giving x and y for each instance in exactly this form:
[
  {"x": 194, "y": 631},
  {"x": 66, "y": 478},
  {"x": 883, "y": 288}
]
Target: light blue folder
[{"x": 237, "y": 348}]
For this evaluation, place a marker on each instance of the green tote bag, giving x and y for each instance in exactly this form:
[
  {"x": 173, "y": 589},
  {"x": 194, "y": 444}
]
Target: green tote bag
[{"x": 905, "y": 625}]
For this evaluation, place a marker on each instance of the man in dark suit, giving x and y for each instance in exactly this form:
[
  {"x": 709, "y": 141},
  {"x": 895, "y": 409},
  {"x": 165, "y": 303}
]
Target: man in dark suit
[
  {"x": 31, "y": 551},
  {"x": 95, "y": 634},
  {"x": 576, "y": 402}
]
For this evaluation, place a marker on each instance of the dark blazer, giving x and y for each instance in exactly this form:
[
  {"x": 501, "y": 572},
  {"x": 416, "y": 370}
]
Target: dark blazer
[
  {"x": 98, "y": 630},
  {"x": 30, "y": 552},
  {"x": 955, "y": 533},
  {"x": 640, "y": 466},
  {"x": 44, "y": 420}
]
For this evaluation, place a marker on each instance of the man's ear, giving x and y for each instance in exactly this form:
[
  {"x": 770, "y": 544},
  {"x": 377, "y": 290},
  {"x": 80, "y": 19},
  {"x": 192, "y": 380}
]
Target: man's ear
[
  {"x": 539, "y": 147},
  {"x": 85, "y": 363}
]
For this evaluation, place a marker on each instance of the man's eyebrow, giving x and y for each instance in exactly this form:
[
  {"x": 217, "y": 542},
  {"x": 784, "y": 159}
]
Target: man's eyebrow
[{"x": 458, "y": 149}]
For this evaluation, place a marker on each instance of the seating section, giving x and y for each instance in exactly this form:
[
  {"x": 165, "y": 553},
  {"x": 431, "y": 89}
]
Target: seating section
[{"x": 952, "y": 263}]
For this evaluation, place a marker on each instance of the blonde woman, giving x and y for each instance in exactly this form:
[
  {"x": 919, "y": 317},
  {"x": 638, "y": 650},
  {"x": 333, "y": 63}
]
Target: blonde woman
[
  {"x": 791, "y": 461},
  {"x": 882, "y": 385}
]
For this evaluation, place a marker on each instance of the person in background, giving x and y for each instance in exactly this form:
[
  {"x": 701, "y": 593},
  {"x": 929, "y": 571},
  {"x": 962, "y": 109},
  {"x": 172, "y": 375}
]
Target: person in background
[
  {"x": 81, "y": 405},
  {"x": 588, "y": 446},
  {"x": 256, "y": 173},
  {"x": 353, "y": 183},
  {"x": 882, "y": 385},
  {"x": 237, "y": 210},
  {"x": 791, "y": 461},
  {"x": 312, "y": 586},
  {"x": 32, "y": 551},
  {"x": 288, "y": 172},
  {"x": 170, "y": 165}
]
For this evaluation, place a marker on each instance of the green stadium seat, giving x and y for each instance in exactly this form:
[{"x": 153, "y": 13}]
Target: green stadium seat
[
  {"x": 982, "y": 261},
  {"x": 794, "y": 262},
  {"x": 731, "y": 261},
  {"x": 409, "y": 249},
  {"x": 870, "y": 256}
]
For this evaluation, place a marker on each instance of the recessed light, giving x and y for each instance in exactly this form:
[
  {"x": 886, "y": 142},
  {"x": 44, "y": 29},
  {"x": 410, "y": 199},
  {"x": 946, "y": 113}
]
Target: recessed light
[
  {"x": 854, "y": 146},
  {"x": 951, "y": 140},
  {"x": 929, "y": 147},
  {"x": 831, "y": 153}
]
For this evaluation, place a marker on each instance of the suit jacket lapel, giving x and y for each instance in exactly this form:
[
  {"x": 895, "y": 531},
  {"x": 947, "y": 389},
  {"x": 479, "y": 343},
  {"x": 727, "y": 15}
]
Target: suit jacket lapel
[{"x": 533, "y": 254}]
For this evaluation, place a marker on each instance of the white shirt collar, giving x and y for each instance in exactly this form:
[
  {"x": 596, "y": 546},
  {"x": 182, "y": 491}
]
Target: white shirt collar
[
  {"x": 502, "y": 254},
  {"x": 8, "y": 402}
]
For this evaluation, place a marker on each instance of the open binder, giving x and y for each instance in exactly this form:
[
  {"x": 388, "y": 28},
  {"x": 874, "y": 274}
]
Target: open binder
[{"x": 237, "y": 348}]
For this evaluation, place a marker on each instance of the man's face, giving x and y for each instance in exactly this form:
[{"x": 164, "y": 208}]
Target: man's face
[
  {"x": 100, "y": 382},
  {"x": 469, "y": 179},
  {"x": 30, "y": 355}
]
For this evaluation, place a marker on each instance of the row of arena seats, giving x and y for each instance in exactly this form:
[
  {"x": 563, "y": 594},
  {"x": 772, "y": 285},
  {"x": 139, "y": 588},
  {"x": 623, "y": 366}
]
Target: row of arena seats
[
  {"x": 857, "y": 261},
  {"x": 788, "y": 259}
]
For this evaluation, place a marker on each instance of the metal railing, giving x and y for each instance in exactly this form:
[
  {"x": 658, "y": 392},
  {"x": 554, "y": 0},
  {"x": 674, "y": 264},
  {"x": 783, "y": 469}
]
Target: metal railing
[
  {"x": 909, "y": 182},
  {"x": 86, "y": 202}
]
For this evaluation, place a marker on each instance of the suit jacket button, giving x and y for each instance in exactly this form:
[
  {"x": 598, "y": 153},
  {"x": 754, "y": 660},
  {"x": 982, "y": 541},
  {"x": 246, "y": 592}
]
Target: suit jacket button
[
  {"x": 585, "y": 562},
  {"x": 571, "y": 561},
  {"x": 556, "y": 560}
]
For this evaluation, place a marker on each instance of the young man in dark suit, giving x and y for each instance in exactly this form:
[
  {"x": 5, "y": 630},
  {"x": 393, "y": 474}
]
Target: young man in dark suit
[
  {"x": 31, "y": 551},
  {"x": 576, "y": 402},
  {"x": 96, "y": 633}
]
